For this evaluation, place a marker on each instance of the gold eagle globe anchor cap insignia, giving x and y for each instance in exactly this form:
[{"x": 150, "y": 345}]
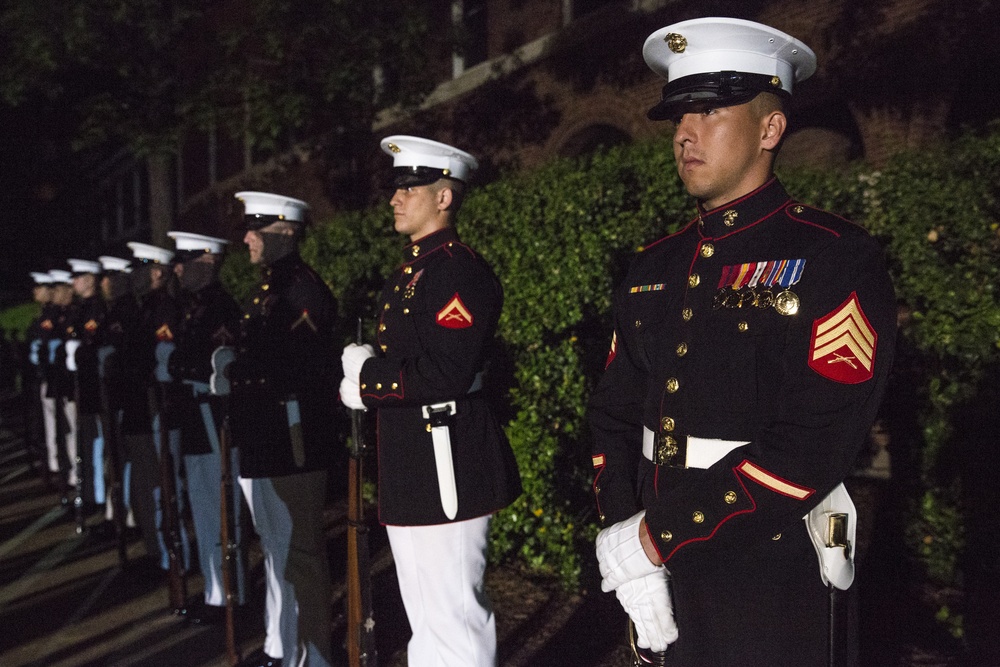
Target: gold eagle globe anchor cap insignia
[{"x": 719, "y": 61}]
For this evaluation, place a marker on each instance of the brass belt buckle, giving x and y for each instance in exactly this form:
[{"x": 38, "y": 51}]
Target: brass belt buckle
[{"x": 666, "y": 450}]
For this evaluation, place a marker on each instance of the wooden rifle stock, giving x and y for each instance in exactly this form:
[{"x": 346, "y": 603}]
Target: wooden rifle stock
[
  {"x": 230, "y": 550},
  {"x": 361, "y": 650},
  {"x": 168, "y": 505},
  {"x": 116, "y": 495},
  {"x": 81, "y": 519}
]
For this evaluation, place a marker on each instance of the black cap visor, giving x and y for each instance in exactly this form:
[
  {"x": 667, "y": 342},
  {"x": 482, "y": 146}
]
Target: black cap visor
[
  {"x": 257, "y": 221},
  {"x": 408, "y": 177},
  {"x": 712, "y": 89}
]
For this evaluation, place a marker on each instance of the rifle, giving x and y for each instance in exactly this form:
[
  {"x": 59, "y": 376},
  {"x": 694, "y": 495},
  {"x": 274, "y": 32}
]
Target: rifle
[
  {"x": 168, "y": 505},
  {"x": 78, "y": 513},
  {"x": 109, "y": 427},
  {"x": 361, "y": 651},
  {"x": 230, "y": 550}
]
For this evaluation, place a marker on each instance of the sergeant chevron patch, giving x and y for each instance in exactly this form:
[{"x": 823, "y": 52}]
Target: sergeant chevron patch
[
  {"x": 842, "y": 348},
  {"x": 455, "y": 315}
]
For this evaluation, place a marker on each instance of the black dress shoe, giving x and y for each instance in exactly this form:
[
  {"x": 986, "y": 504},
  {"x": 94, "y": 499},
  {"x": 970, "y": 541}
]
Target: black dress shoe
[
  {"x": 205, "y": 614},
  {"x": 261, "y": 659}
]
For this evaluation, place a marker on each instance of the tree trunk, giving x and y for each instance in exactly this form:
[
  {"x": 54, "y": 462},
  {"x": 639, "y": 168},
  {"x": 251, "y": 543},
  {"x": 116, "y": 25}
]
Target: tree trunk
[{"x": 161, "y": 200}]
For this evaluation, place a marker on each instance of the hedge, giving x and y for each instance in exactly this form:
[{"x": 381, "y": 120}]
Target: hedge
[{"x": 561, "y": 236}]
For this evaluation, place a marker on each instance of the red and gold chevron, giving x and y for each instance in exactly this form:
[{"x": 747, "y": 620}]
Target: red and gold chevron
[
  {"x": 614, "y": 349},
  {"x": 842, "y": 348},
  {"x": 455, "y": 315}
]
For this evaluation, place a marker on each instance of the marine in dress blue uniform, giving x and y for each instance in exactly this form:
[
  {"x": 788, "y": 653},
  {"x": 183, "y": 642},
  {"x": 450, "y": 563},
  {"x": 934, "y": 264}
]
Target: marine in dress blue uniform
[
  {"x": 158, "y": 318},
  {"x": 284, "y": 382},
  {"x": 210, "y": 318},
  {"x": 43, "y": 423},
  {"x": 59, "y": 385},
  {"x": 749, "y": 356},
  {"x": 445, "y": 465},
  {"x": 85, "y": 336}
]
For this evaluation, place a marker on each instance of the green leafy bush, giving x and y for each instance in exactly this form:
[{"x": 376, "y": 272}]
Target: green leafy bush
[{"x": 561, "y": 236}]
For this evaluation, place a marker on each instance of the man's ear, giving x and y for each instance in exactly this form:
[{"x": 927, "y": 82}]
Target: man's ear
[
  {"x": 772, "y": 130},
  {"x": 444, "y": 198}
]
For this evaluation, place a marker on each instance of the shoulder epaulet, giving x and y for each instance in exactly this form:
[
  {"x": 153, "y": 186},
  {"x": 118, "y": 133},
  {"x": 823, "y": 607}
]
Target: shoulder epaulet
[
  {"x": 817, "y": 217},
  {"x": 680, "y": 231}
]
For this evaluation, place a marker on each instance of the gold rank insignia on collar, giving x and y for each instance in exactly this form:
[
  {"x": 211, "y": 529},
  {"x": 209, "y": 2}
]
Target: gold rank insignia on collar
[
  {"x": 304, "y": 319},
  {"x": 164, "y": 333}
]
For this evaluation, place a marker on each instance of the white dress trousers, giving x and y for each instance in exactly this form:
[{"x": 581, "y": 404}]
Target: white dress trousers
[
  {"x": 441, "y": 573},
  {"x": 287, "y": 514}
]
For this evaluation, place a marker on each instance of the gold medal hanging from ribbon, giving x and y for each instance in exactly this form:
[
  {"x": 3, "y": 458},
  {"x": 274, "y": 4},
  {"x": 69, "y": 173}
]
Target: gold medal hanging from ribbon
[{"x": 754, "y": 284}]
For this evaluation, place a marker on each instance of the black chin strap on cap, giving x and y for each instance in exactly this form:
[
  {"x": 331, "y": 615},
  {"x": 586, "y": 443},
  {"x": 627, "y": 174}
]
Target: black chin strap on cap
[
  {"x": 718, "y": 89},
  {"x": 408, "y": 177}
]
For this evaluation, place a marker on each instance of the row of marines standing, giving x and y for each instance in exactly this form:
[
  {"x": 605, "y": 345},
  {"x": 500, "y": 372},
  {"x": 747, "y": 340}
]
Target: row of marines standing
[{"x": 187, "y": 354}]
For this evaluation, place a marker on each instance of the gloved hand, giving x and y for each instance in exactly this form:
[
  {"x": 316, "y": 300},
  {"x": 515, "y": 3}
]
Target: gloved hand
[
  {"x": 53, "y": 347},
  {"x": 350, "y": 394},
  {"x": 218, "y": 382},
  {"x": 104, "y": 352},
  {"x": 647, "y": 602},
  {"x": 33, "y": 354},
  {"x": 354, "y": 358},
  {"x": 72, "y": 345},
  {"x": 163, "y": 351},
  {"x": 620, "y": 555}
]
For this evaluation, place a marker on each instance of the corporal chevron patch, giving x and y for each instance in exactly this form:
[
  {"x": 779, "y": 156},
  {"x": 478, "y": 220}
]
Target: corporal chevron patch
[
  {"x": 164, "y": 333},
  {"x": 614, "y": 349},
  {"x": 455, "y": 315},
  {"x": 842, "y": 348}
]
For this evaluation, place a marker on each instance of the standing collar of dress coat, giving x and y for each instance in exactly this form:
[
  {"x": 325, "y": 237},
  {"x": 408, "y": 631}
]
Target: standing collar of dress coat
[
  {"x": 426, "y": 244},
  {"x": 740, "y": 213},
  {"x": 282, "y": 264}
]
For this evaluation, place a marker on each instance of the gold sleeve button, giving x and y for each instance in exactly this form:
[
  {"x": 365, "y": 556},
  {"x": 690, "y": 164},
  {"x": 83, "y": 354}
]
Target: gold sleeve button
[{"x": 378, "y": 386}]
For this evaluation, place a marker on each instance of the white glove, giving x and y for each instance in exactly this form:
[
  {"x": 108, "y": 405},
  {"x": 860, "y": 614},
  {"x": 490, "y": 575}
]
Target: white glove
[
  {"x": 36, "y": 348},
  {"x": 647, "y": 602},
  {"x": 218, "y": 383},
  {"x": 163, "y": 351},
  {"x": 72, "y": 345},
  {"x": 620, "y": 555},
  {"x": 350, "y": 394},
  {"x": 353, "y": 358}
]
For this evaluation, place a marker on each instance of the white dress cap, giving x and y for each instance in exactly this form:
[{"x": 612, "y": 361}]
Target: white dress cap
[
  {"x": 412, "y": 154},
  {"x": 699, "y": 47},
  {"x": 41, "y": 278},
  {"x": 190, "y": 242},
  {"x": 150, "y": 253},
  {"x": 110, "y": 263},
  {"x": 61, "y": 277},
  {"x": 84, "y": 266},
  {"x": 279, "y": 207}
]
